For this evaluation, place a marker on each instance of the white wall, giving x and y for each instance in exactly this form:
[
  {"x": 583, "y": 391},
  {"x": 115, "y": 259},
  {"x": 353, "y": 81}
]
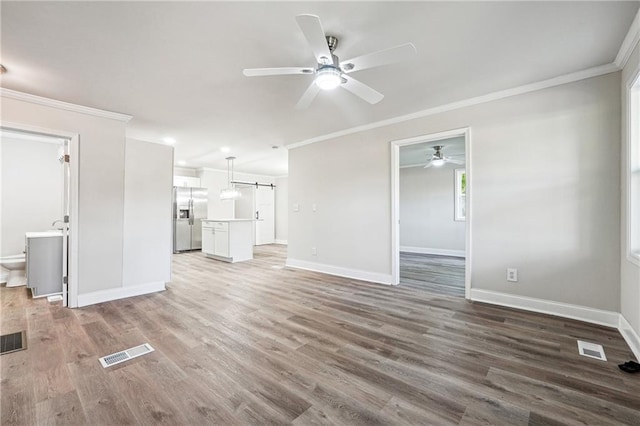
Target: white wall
[
  {"x": 546, "y": 194},
  {"x": 148, "y": 192},
  {"x": 215, "y": 181},
  {"x": 32, "y": 190},
  {"x": 427, "y": 211},
  {"x": 101, "y": 189},
  {"x": 629, "y": 272},
  {"x": 282, "y": 210}
]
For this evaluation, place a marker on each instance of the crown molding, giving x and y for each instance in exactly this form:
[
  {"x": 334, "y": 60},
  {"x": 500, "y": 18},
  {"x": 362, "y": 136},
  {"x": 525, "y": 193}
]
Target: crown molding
[
  {"x": 629, "y": 43},
  {"x": 39, "y": 100},
  {"x": 520, "y": 90}
]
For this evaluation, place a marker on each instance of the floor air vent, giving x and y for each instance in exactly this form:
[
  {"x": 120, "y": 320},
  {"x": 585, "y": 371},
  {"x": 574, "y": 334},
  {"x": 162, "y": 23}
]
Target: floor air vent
[
  {"x": 127, "y": 354},
  {"x": 592, "y": 350},
  {"x": 13, "y": 342}
]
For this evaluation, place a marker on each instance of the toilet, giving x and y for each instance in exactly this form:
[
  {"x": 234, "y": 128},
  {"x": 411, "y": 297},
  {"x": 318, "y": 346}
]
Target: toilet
[{"x": 16, "y": 265}]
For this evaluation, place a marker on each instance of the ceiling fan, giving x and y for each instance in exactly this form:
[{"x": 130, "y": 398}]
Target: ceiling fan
[
  {"x": 330, "y": 72},
  {"x": 438, "y": 158}
]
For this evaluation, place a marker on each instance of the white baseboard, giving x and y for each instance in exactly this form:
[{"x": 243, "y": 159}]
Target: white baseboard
[
  {"x": 565, "y": 310},
  {"x": 340, "y": 271},
  {"x": 119, "y": 293},
  {"x": 630, "y": 336},
  {"x": 434, "y": 251},
  {"x": 281, "y": 242}
]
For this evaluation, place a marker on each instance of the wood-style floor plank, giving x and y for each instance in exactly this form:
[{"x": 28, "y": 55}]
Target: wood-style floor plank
[
  {"x": 258, "y": 343},
  {"x": 437, "y": 274}
]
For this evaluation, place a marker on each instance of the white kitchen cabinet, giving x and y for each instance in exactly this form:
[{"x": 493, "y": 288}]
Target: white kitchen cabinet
[
  {"x": 186, "y": 181},
  {"x": 208, "y": 239},
  {"x": 229, "y": 240}
]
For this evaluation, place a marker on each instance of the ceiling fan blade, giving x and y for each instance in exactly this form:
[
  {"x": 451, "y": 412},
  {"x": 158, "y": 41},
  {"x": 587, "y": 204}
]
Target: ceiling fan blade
[
  {"x": 453, "y": 161},
  {"x": 313, "y": 32},
  {"x": 308, "y": 96},
  {"x": 258, "y": 72},
  {"x": 429, "y": 164},
  {"x": 382, "y": 57},
  {"x": 362, "y": 90}
]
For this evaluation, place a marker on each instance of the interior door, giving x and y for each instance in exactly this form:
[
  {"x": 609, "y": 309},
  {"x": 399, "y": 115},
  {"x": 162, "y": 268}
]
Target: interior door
[
  {"x": 66, "y": 201},
  {"x": 265, "y": 215}
]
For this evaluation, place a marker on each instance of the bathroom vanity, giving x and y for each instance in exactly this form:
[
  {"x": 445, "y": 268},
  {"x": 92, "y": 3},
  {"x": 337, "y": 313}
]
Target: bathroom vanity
[
  {"x": 44, "y": 262},
  {"x": 229, "y": 240}
]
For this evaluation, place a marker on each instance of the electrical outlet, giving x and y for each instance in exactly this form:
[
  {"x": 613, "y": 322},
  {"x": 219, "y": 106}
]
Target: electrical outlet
[
  {"x": 512, "y": 275},
  {"x": 314, "y": 252}
]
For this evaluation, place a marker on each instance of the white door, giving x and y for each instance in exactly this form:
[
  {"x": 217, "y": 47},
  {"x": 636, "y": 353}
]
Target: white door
[
  {"x": 66, "y": 172},
  {"x": 265, "y": 215}
]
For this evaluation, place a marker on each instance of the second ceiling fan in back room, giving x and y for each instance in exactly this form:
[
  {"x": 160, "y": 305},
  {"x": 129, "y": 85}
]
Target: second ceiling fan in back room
[
  {"x": 329, "y": 71},
  {"x": 438, "y": 158}
]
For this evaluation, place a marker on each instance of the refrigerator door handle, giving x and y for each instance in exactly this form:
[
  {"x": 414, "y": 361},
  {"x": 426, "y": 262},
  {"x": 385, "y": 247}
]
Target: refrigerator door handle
[{"x": 191, "y": 220}]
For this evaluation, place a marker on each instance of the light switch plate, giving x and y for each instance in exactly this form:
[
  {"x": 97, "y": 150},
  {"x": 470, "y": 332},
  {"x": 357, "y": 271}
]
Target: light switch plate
[{"x": 296, "y": 207}]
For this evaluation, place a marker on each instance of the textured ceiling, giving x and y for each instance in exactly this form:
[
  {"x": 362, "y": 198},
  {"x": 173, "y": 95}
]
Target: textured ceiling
[{"x": 177, "y": 66}]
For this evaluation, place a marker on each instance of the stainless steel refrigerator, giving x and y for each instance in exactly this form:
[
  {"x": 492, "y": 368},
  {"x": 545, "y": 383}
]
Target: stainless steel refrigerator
[{"x": 189, "y": 208}]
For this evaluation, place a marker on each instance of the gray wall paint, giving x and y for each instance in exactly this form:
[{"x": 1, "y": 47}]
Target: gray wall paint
[
  {"x": 32, "y": 184},
  {"x": 282, "y": 210},
  {"x": 426, "y": 209},
  {"x": 349, "y": 181},
  {"x": 546, "y": 193},
  {"x": 148, "y": 192},
  {"x": 101, "y": 192},
  {"x": 629, "y": 272}
]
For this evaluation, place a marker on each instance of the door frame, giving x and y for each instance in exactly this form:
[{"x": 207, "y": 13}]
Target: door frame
[
  {"x": 395, "y": 199},
  {"x": 74, "y": 151}
]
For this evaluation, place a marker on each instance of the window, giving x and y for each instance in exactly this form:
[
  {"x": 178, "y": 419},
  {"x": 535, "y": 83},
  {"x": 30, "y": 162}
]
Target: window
[{"x": 633, "y": 171}]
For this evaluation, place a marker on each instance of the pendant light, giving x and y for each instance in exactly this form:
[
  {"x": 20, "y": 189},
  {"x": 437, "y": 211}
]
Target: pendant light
[{"x": 230, "y": 193}]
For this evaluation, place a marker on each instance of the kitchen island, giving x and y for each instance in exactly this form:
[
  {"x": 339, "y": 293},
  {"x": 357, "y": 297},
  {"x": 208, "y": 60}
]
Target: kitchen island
[{"x": 229, "y": 240}]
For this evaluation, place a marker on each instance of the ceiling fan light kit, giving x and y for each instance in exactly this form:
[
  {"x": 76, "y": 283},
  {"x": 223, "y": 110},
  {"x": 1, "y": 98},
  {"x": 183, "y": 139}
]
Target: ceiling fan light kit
[
  {"x": 328, "y": 78},
  {"x": 329, "y": 73},
  {"x": 230, "y": 193}
]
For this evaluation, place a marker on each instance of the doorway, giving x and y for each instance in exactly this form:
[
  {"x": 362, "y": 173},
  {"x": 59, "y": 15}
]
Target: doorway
[
  {"x": 431, "y": 215},
  {"x": 258, "y": 202},
  {"x": 53, "y": 185}
]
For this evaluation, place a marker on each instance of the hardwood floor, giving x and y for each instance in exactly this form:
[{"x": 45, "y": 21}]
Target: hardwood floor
[
  {"x": 257, "y": 343},
  {"x": 436, "y": 274}
]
